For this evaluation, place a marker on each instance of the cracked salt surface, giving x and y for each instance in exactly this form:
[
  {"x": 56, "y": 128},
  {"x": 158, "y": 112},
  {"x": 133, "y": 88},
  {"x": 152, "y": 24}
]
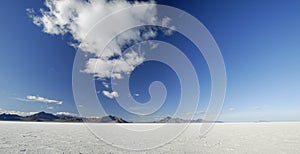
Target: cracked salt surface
[{"x": 32, "y": 137}]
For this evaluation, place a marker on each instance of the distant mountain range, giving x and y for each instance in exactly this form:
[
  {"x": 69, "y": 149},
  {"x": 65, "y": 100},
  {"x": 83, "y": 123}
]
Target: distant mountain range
[
  {"x": 41, "y": 116},
  {"x": 106, "y": 119},
  {"x": 48, "y": 117},
  {"x": 179, "y": 120}
]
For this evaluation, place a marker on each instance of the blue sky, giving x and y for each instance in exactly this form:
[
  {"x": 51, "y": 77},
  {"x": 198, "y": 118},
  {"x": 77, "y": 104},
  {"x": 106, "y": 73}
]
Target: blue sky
[{"x": 259, "y": 41}]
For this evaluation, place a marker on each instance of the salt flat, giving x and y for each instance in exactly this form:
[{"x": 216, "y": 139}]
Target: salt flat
[{"x": 32, "y": 137}]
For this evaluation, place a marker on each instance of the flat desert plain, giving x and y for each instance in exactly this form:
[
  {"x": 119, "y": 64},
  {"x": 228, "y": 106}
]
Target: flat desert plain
[{"x": 44, "y": 137}]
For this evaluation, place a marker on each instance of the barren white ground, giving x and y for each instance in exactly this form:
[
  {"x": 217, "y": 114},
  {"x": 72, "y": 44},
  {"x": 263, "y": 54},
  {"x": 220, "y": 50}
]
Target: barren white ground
[{"x": 31, "y": 137}]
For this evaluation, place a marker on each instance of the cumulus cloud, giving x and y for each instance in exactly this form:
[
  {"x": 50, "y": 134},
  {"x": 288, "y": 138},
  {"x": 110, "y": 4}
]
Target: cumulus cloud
[
  {"x": 104, "y": 61},
  {"x": 110, "y": 95},
  {"x": 79, "y": 16},
  {"x": 31, "y": 98},
  {"x": 104, "y": 68}
]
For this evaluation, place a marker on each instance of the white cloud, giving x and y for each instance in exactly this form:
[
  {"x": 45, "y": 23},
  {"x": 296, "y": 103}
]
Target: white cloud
[
  {"x": 137, "y": 94},
  {"x": 231, "y": 109},
  {"x": 165, "y": 22},
  {"x": 67, "y": 114},
  {"x": 104, "y": 68},
  {"x": 110, "y": 95},
  {"x": 78, "y": 16},
  {"x": 50, "y": 108},
  {"x": 262, "y": 107},
  {"x": 31, "y": 98},
  {"x": 43, "y": 99},
  {"x": 105, "y": 84},
  {"x": 153, "y": 45}
]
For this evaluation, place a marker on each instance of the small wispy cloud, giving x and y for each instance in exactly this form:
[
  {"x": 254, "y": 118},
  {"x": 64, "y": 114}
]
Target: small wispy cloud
[
  {"x": 153, "y": 45},
  {"x": 32, "y": 98},
  {"x": 110, "y": 95},
  {"x": 231, "y": 109},
  {"x": 260, "y": 107},
  {"x": 105, "y": 84},
  {"x": 67, "y": 114},
  {"x": 50, "y": 108}
]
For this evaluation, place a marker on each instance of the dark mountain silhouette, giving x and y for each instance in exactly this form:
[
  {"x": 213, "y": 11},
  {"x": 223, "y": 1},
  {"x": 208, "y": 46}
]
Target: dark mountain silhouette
[
  {"x": 106, "y": 119},
  {"x": 110, "y": 119},
  {"x": 11, "y": 117},
  {"x": 68, "y": 118},
  {"x": 48, "y": 117},
  {"x": 41, "y": 116}
]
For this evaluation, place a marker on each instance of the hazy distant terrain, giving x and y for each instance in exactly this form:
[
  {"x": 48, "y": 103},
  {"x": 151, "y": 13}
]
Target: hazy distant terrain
[
  {"x": 49, "y": 117},
  {"x": 37, "y": 137}
]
